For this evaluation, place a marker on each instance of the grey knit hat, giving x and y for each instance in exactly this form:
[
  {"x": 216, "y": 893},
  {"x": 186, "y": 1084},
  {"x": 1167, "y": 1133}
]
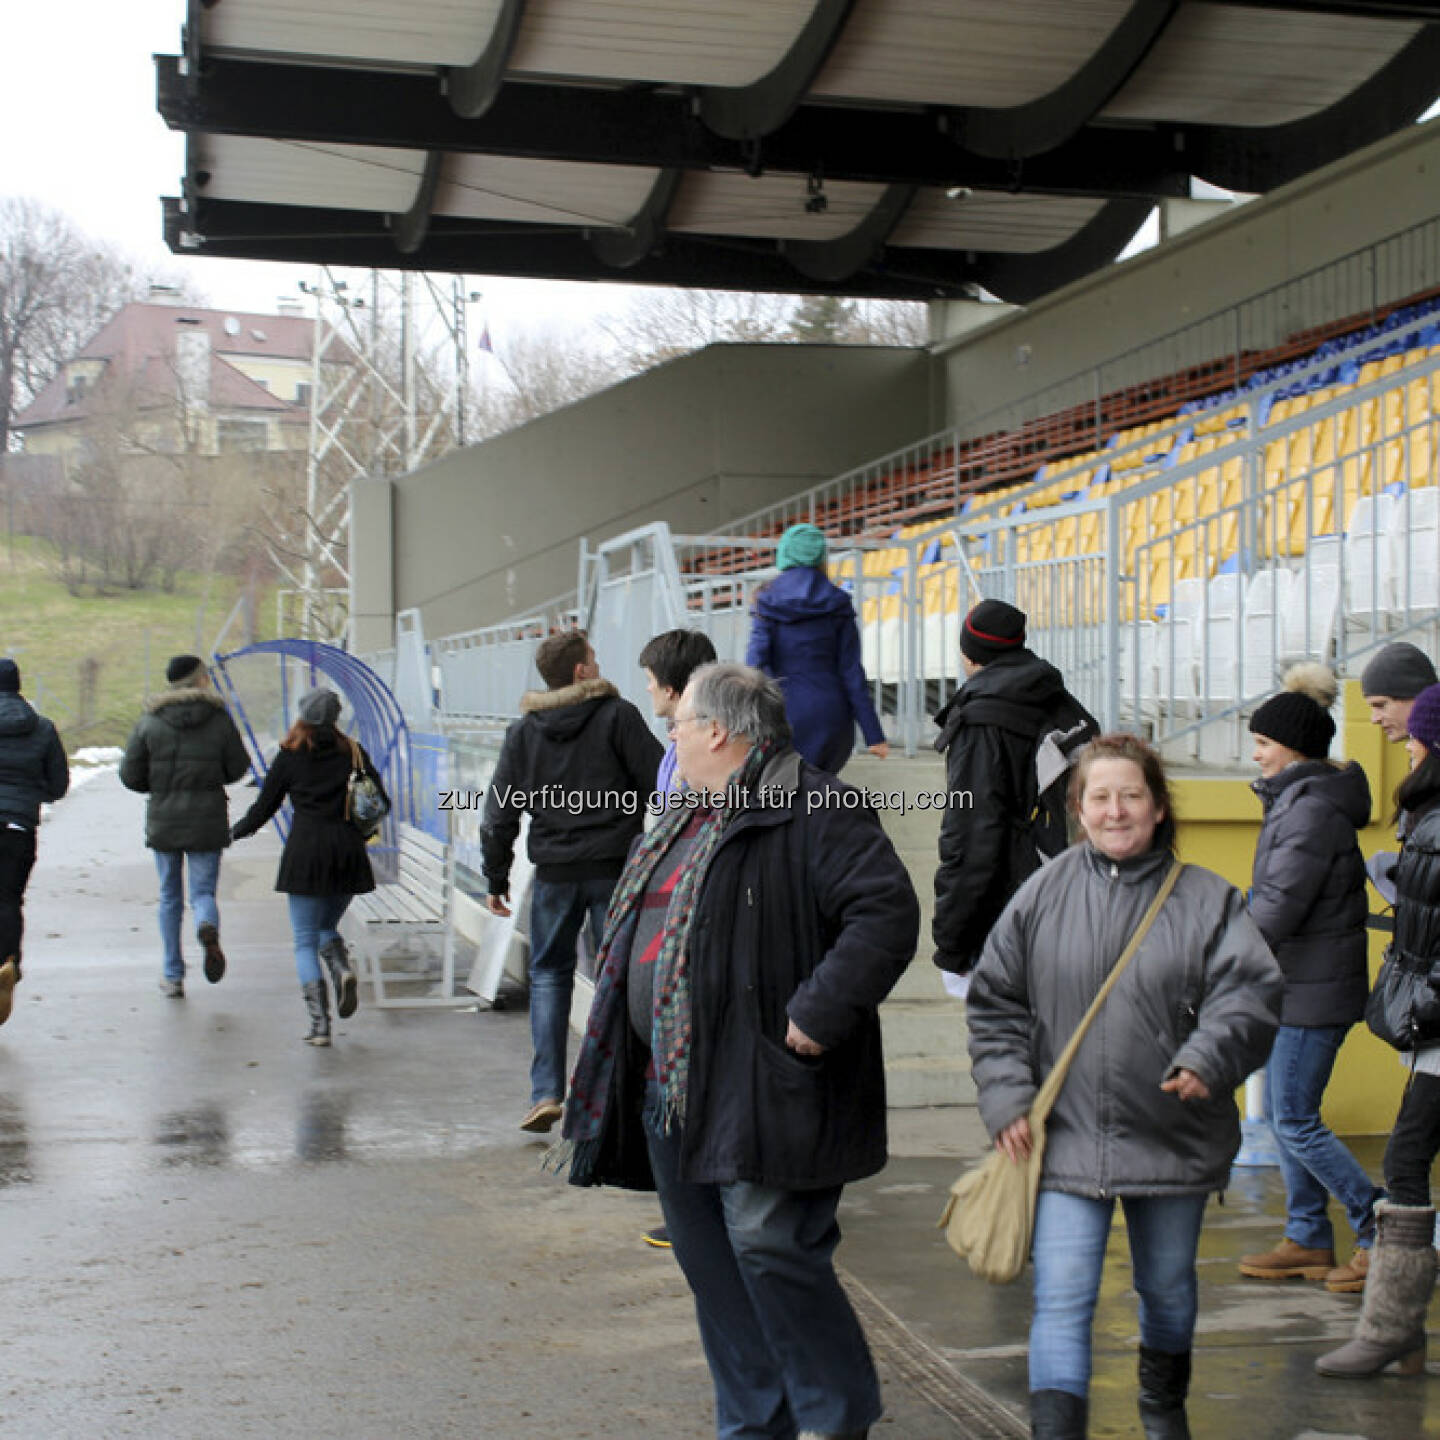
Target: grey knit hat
[
  {"x": 320, "y": 706},
  {"x": 1399, "y": 671}
]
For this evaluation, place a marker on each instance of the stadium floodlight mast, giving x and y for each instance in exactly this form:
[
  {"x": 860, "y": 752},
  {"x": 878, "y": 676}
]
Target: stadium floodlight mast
[{"x": 389, "y": 383}]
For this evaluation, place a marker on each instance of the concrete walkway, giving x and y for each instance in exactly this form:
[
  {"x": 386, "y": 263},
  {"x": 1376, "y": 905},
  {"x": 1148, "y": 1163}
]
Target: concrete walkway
[{"x": 210, "y": 1229}]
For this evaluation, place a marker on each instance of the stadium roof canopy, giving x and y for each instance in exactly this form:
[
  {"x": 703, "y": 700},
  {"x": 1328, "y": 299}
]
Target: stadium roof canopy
[{"x": 900, "y": 148}]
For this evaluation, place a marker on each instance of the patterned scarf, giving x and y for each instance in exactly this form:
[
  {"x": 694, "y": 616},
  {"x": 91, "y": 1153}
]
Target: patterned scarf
[{"x": 591, "y": 1085}]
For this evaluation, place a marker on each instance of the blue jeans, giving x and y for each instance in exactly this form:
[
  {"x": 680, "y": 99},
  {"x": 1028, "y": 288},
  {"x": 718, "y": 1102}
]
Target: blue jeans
[
  {"x": 1313, "y": 1161},
  {"x": 557, "y": 911},
  {"x": 313, "y": 922},
  {"x": 204, "y": 867},
  {"x": 1070, "y": 1236},
  {"x": 785, "y": 1350}
]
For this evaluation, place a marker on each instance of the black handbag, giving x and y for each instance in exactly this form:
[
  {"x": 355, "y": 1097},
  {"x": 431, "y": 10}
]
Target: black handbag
[{"x": 1401, "y": 1009}]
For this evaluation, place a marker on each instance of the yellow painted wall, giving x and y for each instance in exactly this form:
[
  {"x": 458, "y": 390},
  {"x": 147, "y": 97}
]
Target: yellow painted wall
[
  {"x": 1218, "y": 822},
  {"x": 280, "y": 377}
]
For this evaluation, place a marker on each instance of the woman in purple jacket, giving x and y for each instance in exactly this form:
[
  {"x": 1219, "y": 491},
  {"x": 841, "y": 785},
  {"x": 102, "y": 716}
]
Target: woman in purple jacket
[{"x": 803, "y": 634}]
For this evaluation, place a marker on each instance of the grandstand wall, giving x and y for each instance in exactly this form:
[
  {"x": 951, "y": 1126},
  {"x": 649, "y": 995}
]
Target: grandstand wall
[
  {"x": 1243, "y": 253},
  {"x": 496, "y": 528}
]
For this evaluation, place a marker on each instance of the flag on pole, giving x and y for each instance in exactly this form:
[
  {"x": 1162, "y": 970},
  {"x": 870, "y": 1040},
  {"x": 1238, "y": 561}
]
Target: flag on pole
[{"x": 485, "y": 342}]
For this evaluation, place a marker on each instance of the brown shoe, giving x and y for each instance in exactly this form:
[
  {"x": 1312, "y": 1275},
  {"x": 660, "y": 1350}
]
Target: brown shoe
[
  {"x": 1350, "y": 1279},
  {"x": 8, "y": 976},
  {"x": 542, "y": 1115},
  {"x": 1289, "y": 1261}
]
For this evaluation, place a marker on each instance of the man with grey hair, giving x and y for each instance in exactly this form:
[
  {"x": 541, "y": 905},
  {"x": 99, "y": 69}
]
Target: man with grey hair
[{"x": 732, "y": 1060}]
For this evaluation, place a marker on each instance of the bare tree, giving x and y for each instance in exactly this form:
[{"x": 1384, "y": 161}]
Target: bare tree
[
  {"x": 57, "y": 287},
  {"x": 537, "y": 373},
  {"x": 661, "y": 325}
]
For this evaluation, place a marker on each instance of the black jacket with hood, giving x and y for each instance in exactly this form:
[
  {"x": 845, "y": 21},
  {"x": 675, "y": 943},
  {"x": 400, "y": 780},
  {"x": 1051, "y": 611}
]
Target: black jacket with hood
[
  {"x": 581, "y": 762},
  {"x": 183, "y": 752},
  {"x": 33, "y": 768},
  {"x": 988, "y": 734},
  {"x": 1307, "y": 890}
]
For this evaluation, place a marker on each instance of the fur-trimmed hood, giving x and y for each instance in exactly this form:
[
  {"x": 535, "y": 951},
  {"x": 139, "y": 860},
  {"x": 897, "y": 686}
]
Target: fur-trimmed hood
[
  {"x": 562, "y": 714},
  {"x": 185, "y": 706}
]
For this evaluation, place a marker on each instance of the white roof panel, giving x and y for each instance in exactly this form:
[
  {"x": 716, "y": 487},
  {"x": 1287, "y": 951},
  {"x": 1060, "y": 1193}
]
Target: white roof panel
[
  {"x": 1221, "y": 65},
  {"x": 492, "y": 187},
  {"x": 1017, "y": 224},
  {"x": 773, "y": 205},
  {"x": 992, "y": 53},
  {"x": 293, "y": 172}
]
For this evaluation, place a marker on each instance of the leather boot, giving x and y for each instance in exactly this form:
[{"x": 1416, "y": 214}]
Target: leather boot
[
  {"x": 1391, "y": 1330},
  {"x": 317, "y": 1003},
  {"x": 9, "y": 975},
  {"x": 337, "y": 961},
  {"x": 1058, "y": 1415},
  {"x": 1164, "y": 1384}
]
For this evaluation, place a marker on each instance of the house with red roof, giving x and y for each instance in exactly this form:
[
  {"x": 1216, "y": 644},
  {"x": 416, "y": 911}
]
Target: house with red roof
[{"x": 169, "y": 379}]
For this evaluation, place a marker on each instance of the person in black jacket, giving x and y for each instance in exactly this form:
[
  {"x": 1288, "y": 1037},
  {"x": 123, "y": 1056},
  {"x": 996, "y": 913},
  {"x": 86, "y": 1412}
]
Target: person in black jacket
[
  {"x": 33, "y": 769},
  {"x": 182, "y": 753},
  {"x": 1391, "y": 1329},
  {"x": 989, "y": 733},
  {"x": 324, "y": 864},
  {"x": 1308, "y": 898},
  {"x": 581, "y": 762},
  {"x": 732, "y": 1059}
]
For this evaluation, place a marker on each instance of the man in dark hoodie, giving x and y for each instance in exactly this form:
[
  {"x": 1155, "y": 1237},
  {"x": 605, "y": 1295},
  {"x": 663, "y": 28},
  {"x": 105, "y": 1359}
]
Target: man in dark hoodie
[
  {"x": 581, "y": 762},
  {"x": 33, "y": 769},
  {"x": 182, "y": 753},
  {"x": 989, "y": 734}
]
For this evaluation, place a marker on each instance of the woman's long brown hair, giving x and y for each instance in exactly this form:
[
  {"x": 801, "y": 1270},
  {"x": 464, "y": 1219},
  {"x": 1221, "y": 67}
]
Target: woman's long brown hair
[{"x": 301, "y": 736}]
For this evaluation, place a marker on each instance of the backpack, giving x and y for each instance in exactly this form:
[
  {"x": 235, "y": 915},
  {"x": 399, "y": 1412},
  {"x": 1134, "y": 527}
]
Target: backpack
[{"x": 1049, "y": 823}]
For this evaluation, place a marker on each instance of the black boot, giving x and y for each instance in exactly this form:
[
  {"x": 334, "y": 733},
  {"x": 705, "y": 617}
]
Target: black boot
[
  {"x": 317, "y": 1002},
  {"x": 1164, "y": 1384},
  {"x": 342, "y": 977},
  {"x": 1057, "y": 1415}
]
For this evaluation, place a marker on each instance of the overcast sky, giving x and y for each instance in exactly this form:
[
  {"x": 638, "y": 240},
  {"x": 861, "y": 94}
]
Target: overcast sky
[{"x": 82, "y": 134}]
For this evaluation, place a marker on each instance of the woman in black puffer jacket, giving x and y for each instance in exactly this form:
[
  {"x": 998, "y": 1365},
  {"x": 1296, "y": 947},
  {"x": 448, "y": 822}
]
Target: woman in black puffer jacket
[
  {"x": 1308, "y": 898},
  {"x": 1402, "y": 1271},
  {"x": 324, "y": 864}
]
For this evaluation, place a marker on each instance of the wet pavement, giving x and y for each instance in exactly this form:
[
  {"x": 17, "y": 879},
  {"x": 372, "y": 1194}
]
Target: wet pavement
[{"x": 210, "y": 1229}]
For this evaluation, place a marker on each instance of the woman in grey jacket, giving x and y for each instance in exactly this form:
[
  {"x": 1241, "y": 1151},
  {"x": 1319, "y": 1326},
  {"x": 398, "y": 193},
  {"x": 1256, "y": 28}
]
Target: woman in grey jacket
[
  {"x": 1307, "y": 895},
  {"x": 1147, "y": 1112}
]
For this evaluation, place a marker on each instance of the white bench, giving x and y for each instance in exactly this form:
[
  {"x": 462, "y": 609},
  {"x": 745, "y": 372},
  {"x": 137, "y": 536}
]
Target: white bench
[{"x": 415, "y": 906}]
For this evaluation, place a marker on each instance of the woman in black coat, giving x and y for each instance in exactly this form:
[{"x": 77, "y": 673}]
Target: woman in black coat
[
  {"x": 1308, "y": 898},
  {"x": 324, "y": 864}
]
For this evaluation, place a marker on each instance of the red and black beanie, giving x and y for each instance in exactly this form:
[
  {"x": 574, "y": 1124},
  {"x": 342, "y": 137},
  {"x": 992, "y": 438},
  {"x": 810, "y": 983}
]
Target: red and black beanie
[{"x": 992, "y": 628}]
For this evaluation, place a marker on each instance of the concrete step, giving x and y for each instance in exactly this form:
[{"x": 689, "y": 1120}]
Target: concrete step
[
  {"x": 915, "y": 1081},
  {"x": 923, "y": 1027}
]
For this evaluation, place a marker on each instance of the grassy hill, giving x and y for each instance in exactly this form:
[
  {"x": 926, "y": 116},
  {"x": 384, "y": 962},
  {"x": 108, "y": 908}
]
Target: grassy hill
[{"x": 88, "y": 662}]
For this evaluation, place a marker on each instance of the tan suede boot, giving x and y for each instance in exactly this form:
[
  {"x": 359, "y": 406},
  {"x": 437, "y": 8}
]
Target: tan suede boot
[{"x": 1289, "y": 1261}]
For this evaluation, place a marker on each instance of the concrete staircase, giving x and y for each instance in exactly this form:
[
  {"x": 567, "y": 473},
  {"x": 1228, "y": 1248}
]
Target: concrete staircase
[{"x": 925, "y": 1059}]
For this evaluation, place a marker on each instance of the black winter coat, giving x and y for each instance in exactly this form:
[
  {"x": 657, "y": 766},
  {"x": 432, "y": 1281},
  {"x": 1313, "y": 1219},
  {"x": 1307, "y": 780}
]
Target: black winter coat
[
  {"x": 183, "y": 753},
  {"x": 1307, "y": 889},
  {"x": 582, "y": 762},
  {"x": 33, "y": 768},
  {"x": 1417, "y": 908},
  {"x": 988, "y": 735},
  {"x": 324, "y": 853},
  {"x": 806, "y": 914}
]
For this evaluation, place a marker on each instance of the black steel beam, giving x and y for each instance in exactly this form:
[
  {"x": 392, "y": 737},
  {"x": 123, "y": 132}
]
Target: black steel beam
[
  {"x": 472, "y": 89},
  {"x": 305, "y": 236},
  {"x": 645, "y": 127},
  {"x": 1425, "y": 11},
  {"x": 747, "y": 112},
  {"x": 838, "y": 259},
  {"x": 409, "y": 228},
  {"x": 1051, "y": 120},
  {"x": 645, "y": 231}
]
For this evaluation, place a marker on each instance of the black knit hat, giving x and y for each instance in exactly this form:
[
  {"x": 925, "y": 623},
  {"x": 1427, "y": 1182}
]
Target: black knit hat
[
  {"x": 1299, "y": 716},
  {"x": 992, "y": 628},
  {"x": 1399, "y": 671},
  {"x": 9, "y": 677},
  {"x": 182, "y": 668}
]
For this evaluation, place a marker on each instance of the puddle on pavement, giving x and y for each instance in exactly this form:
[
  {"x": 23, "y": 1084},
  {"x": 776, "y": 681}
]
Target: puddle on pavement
[
  {"x": 199, "y": 1136},
  {"x": 320, "y": 1127},
  {"x": 14, "y": 1146}
]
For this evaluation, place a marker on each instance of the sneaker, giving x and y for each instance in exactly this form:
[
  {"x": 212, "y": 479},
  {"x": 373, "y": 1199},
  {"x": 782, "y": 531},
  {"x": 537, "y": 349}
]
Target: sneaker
[
  {"x": 659, "y": 1237},
  {"x": 541, "y": 1116},
  {"x": 8, "y": 976},
  {"x": 1289, "y": 1261},
  {"x": 209, "y": 938},
  {"x": 1350, "y": 1279},
  {"x": 172, "y": 989}
]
